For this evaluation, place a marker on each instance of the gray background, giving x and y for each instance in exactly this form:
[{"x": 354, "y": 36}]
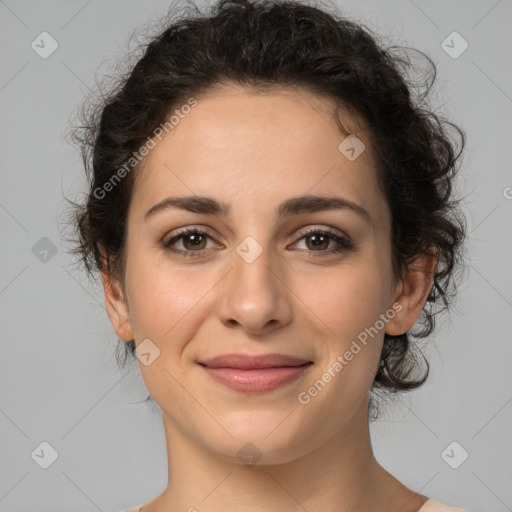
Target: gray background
[{"x": 58, "y": 375}]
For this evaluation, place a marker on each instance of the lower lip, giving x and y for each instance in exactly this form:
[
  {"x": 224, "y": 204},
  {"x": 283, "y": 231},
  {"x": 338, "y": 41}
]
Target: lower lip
[{"x": 257, "y": 380}]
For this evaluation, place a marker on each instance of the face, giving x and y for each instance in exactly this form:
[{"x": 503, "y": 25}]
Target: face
[{"x": 258, "y": 279}]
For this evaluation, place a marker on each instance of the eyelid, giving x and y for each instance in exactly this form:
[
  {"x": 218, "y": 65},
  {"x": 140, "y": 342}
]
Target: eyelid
[
  {"x": 326, "y": 229},
  {"x": 188, "y": 230}
]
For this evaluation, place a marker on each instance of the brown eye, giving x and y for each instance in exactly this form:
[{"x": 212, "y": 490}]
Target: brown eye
[
  {"x": 319, "y": 240},
  {"x": 193, "y": 242},
  {"x": 196, "y": 241}
]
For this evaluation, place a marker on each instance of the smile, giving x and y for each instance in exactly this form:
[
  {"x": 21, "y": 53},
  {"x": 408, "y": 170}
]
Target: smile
[
  {"x": 255, "y": 373},
  {"x": 257, "y": 380}
]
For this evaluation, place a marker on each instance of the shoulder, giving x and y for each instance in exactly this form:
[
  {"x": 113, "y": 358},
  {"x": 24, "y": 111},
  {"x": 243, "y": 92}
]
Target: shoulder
[
  {"x": 432, "y": 505},
  {"x": 136, "y": 509}
]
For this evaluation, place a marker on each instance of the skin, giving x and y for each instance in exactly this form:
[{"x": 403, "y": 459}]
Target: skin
[{"x": 253, "y": 151}]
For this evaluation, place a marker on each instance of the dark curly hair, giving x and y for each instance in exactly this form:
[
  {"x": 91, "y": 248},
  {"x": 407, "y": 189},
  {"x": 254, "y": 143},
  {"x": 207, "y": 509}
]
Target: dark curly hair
[{"x": 262, "y": 44}]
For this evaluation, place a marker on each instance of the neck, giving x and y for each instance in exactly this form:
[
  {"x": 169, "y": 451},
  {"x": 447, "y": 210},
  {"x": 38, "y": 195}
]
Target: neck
[{"x": 340, "y": 475}]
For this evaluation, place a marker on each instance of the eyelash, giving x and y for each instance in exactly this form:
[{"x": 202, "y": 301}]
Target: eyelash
[{"x": 343, "y": 243}]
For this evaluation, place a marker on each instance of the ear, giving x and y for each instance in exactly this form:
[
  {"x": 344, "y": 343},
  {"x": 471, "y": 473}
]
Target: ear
[
  {"x": 115, "y": 303},
  {"x": 412, "y": 293}
]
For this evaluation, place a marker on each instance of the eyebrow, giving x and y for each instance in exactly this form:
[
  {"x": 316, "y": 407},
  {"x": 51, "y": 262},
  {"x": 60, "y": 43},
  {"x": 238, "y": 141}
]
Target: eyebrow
[{"x": 293, "y": 206}]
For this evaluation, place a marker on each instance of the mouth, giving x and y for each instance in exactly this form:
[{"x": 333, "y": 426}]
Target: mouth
[{"x": 255, "y": 374}]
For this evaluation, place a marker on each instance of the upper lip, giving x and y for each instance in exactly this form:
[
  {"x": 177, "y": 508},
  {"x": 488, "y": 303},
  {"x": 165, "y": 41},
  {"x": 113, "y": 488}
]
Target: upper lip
[{"x": 247, "y": 362}]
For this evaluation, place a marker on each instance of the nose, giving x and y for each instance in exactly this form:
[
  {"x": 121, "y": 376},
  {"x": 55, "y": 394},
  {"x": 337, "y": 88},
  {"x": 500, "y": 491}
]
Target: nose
[{"x": 254, "y": 295}]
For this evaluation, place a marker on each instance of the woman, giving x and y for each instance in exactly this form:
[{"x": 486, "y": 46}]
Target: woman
[{"x": 271, "y": 214}]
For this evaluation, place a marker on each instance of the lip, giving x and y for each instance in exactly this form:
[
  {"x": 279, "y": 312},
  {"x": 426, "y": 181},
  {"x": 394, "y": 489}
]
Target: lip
[
  {"x": 255, "y": 374},
  {"x": 247, "y": 362}
]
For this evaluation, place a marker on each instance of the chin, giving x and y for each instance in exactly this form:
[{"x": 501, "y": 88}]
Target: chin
[{"x": 263, "y": 437}]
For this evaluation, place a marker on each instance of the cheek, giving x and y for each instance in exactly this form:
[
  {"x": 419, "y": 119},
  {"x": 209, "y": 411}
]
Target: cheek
[
  {"x": 169, "y": 308},
  {"x": 167, "y": 301},
  {"x": 348, "y": 300},
  {"x": 348, "y": 307}
]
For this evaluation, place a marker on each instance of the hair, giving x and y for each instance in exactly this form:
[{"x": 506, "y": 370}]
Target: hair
[{"x": 265, "y": 44}]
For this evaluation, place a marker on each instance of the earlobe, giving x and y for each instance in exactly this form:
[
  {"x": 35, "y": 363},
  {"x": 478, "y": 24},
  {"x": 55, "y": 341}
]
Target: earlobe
[
  {"x": 412, "y": 294},
  {"x": 116, "y": 306}
]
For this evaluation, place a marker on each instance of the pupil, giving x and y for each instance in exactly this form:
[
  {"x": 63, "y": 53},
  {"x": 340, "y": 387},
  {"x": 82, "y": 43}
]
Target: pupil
[
  {"x": 317, "y": 240},
  {"x": 194, "y": 239}
]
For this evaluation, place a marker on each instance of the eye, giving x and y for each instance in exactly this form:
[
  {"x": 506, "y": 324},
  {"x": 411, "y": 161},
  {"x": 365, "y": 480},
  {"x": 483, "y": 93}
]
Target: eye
[
  {"x": 319, "y": 242},
  {"x": 193, "y": 240}
]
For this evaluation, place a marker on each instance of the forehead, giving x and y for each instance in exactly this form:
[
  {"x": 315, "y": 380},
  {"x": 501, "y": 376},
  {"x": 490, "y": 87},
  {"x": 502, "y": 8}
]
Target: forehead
[{"x": 256, "y": 148}]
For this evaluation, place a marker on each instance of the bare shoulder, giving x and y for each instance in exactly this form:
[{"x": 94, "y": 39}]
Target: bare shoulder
[{"x": 433, "y": 505}]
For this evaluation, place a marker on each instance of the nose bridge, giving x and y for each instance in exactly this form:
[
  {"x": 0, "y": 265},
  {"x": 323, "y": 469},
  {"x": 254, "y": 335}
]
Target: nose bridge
[{"x": 253, "y": 260}]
